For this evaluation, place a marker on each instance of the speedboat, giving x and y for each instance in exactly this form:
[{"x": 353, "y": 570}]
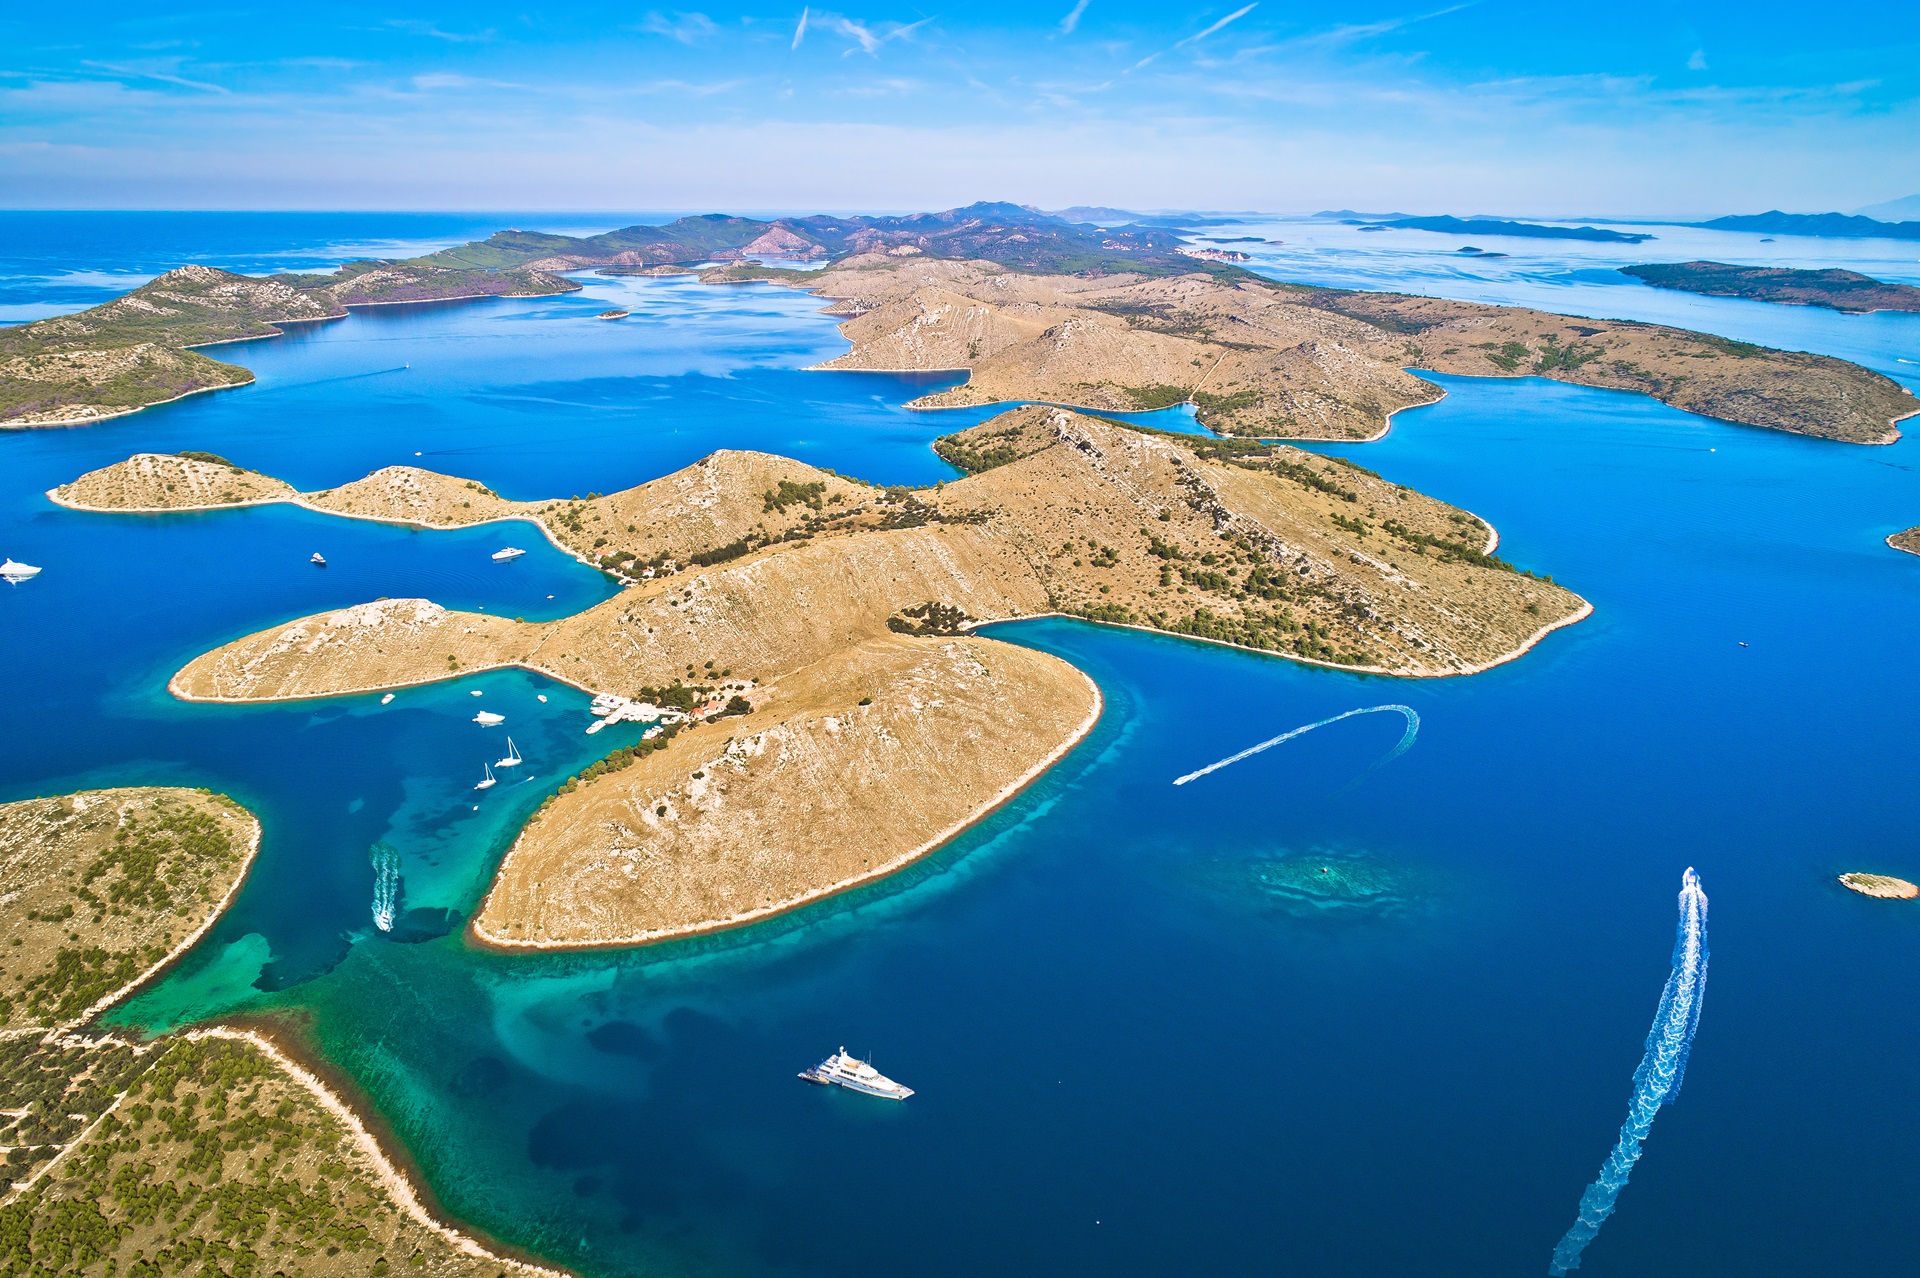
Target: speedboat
[
  {"x": 15, "y": 571},
  {"x": 488, "y": 783},
  {"x": 387, "y": 700},
  {"x": 842, "y": 1070},
  {"x": 319, "y": 560},
  {"x": 509, "y": 552},
  {"x": 487, "y": 718}
]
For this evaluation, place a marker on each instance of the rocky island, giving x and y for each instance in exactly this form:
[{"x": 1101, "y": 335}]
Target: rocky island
[
  {"x": 1908, "y": 541},
  {"x": 210, "y": 1151},
  {"x": 870, "y": 722},
  {"x": 1835, "y": 290},
  {"x": 1884, "y": 886}
]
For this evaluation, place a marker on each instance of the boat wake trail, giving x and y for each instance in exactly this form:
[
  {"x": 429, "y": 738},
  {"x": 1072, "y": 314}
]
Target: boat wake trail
[
  {"x": 1657, "y": 1081},
  {"x": 386, "y": 885},
  {"x": 1406, "y": 739}
]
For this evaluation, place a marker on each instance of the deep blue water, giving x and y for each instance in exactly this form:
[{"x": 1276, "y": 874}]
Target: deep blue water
[{"x": 1146, "y": 1035}]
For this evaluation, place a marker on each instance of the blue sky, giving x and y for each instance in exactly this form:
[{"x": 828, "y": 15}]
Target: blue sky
[{"x": 1564, "y": 109}]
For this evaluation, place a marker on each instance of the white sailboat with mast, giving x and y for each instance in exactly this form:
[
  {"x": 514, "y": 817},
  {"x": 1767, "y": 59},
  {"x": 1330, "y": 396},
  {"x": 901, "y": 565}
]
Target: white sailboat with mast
[
  {"x": 489, "y": 782},
  {"x": 513, "y": 759}
]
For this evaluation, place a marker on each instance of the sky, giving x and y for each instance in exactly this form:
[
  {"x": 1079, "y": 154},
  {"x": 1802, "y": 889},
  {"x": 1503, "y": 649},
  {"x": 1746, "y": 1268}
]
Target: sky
[{"x": 1497, "y": 106}]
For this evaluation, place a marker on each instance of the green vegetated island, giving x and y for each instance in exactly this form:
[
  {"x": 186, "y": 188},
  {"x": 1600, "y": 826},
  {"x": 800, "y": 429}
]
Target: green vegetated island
[
  {"x": 207, "y": 1152},
  {"x": 1845, "y": 226},
  {"x": 1908, "y": 541},
  {"x": 1030, "y": 305},
  {"x": 1834, "y": 289}
]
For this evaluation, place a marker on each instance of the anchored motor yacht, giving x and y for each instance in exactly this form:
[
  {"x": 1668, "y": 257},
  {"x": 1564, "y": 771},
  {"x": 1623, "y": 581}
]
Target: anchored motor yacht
[
  {"x": 842, "y": 1070},
  {"x": 506, "y": 553}
]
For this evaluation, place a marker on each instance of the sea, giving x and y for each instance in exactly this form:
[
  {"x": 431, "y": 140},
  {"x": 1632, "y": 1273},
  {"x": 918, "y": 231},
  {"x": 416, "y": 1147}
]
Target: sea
[{"x": 1327, "y": 1010}]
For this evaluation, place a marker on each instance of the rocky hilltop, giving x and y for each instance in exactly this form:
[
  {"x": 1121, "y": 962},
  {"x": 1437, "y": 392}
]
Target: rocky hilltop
[
  {"x": 132, "y": 352},
  {"x": 1278, "y": 361}
]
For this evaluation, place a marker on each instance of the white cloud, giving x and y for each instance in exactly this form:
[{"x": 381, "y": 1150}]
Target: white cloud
[
  {"x": 1197, "y": 36},
  {"x": 800, "y": 30},
  {"x": 687, "y": 28},
  {"x": 1072, "y": 20},
  {"x": 1698, "y": 62}
]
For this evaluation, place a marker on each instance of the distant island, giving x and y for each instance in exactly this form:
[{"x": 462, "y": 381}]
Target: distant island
[
  {"x": 1834, "y": 289},
  {"x": 1030, "y": 306},
  {"x": 1493, "y": 226},
  {"x": 1832, "y": 225},
  {"x": 1908, "y": 541}
]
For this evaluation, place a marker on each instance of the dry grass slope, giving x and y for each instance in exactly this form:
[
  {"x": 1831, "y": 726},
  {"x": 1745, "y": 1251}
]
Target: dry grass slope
[
  {"x": 96, "y": 888},
  {"x": 1279, "y": 361}
]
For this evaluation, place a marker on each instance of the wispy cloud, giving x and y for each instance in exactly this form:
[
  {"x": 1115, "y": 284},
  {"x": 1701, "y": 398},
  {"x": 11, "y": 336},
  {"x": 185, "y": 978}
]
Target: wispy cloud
[
  {"x": 800, "y": 30},
  {"x": 164, "y": 77},
  {"x": 1197, "y": 36},
  {"x": 870, "y": 38},
  {"x": 1069, "y": 23},
  {"x": 415, "y": 26},
  {"x": 687, "y": 28},
  {"x": 1354, "y": 32},
  {"x": 1698, "y": 62}
]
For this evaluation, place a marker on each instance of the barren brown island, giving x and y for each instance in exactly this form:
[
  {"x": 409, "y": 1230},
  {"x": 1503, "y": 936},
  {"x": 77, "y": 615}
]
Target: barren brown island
[{"x": 210, "y": 1151}]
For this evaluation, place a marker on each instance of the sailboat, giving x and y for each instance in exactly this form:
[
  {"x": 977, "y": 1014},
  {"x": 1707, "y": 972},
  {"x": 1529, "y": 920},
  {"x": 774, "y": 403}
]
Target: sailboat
[
  {"x": 488, "y": 783},
  {"x": 513, "y": 759}
]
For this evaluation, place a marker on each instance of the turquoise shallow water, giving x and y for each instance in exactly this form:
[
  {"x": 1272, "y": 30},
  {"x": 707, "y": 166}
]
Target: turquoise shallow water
[{"x": 1148, "y": 1035}]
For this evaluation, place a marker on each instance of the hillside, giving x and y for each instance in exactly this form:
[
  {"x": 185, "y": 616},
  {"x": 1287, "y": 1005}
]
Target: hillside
[
  {"x": 209, "y": 1151},
  {"x": 1281, "y": 361},
  {"x": 1834, "y": 289},
  {"x": 132, "y": 352}
]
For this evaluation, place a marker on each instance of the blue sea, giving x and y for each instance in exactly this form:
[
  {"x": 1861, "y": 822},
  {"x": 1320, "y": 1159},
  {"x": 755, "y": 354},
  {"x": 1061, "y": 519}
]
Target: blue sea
[{"x": 1309, "y": 1014}]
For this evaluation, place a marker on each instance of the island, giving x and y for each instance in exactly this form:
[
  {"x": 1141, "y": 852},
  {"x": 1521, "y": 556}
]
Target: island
[
  {"x": 212, "y": 1150},
  {"x": 1834, "y": 289},
  {"x": 137, "y": 351},
  {"x": 1832, "y": 225},
  {"x": 843, "y": 717},
  {"x": 1498, "y": 226},
  {"x": 1884, "y": 886},
  {"x": 1908, "y": 541},
  {"x": 1028, "y": 305}
]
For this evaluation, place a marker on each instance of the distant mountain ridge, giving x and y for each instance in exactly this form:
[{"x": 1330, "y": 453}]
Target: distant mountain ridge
[
  {"x": 1832, "y": 225},
  {"x": 1009, "y": 235}
]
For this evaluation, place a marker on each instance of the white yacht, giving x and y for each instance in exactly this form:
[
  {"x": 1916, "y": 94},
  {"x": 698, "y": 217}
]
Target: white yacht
[
  {"x": 842, "y": 1070},
  {"x": 319, "y": 560},
  {"x": 489, "y": 782},
  {"x": 486, "y": 718},
  {"x": 508, "y": 552},
  {"x": 513, "y": 759},
  {"x": 14, "y": 570},
  {"x": 387, "y": 700}
]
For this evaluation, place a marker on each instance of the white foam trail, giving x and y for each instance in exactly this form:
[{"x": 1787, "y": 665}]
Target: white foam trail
[
  {"x": 386, "y": 885},
  {"x": 1657, "y": 1081},
  {"x": 1406, "y": 739}
]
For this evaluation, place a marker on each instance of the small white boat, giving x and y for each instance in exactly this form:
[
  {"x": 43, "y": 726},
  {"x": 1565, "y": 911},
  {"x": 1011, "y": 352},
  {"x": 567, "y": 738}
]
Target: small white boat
[
  {"x": 15, "y": 571},
  {"x": 542, "y": 698},
  {"x": 513, "y": 759},
  {"x": 487, "y": 784},
  {"x": 474, "y": 693},
  {"x": 387, "y": 700},
  {"x": 319, "y": 560},
  {"x": 486, "y": 718},
  {"x": 595, "y": 726},
  {"x": 510, "y": 552},
  {"x": 842, "y": 1070}
]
